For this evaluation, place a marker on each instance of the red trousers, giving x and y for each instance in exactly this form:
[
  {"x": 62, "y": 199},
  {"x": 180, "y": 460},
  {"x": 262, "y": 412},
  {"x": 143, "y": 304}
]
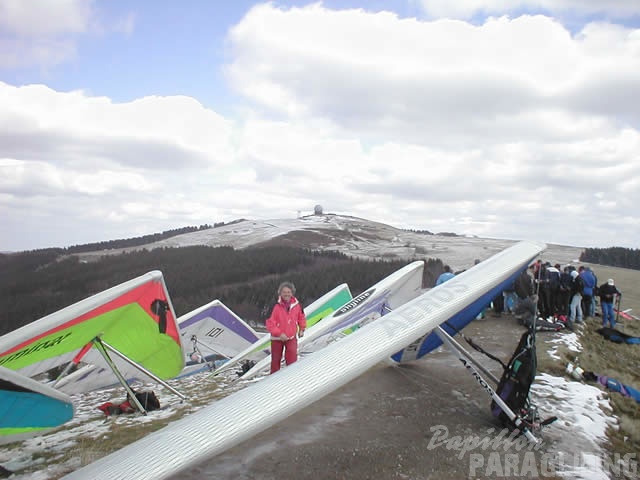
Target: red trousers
[{"x": 290, "y": 355}]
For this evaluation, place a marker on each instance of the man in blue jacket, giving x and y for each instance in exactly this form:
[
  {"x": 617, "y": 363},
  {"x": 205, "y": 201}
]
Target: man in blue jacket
[
  {"x": 589, "y": 280},
  {"x": 446, "y": 275}
]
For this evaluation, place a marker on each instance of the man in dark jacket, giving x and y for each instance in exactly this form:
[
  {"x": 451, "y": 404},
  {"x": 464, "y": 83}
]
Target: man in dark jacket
[
  {"x": 554, "y": 289},
  {"x": 608, "y": 292},
  {"x": 564, "y": 291},
  {"x": 524, "y": 284}
]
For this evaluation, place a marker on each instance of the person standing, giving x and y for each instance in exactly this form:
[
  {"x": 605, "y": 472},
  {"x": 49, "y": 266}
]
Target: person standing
[
  {"x": 286, "y": 323},
  {"x": 575, "y": 308},
  {"x": 554, "y": 289},
  {"x": 564, "y": 291},
  {"x": 592, "y": 309},
  {"x": 589, "y": 280},
  {"x": 524, "y": 284},
  {"x": 510, "y": 298},
  {"x": 446, "y": 275},
  {"x": 608, "y": 292},
  {"x": 544, "y": 292}
]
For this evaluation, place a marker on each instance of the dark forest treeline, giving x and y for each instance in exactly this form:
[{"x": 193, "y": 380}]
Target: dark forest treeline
[
  {"x": 613, "y": 257},
  {"x": 427, "y": 232},
  {"x": 35, "y": 284},
  {"x": 133, "y": 241}
]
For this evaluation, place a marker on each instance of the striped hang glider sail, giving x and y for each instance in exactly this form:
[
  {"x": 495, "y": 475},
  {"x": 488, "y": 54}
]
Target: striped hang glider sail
[{"x": 136, "y": 318}]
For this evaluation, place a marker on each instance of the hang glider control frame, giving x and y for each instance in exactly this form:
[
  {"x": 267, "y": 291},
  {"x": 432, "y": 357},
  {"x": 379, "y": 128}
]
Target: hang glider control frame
[
  {"x": 104, "y": 348},
  {"x": 472, "y": 366}
]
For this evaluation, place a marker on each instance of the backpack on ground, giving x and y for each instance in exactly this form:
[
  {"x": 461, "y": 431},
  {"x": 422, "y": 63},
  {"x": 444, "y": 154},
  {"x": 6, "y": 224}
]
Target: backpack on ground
[
  {"x": 517, "y": 378},
  {"x": 245, "y": 366},
  {"x": 148, "y": 400}
]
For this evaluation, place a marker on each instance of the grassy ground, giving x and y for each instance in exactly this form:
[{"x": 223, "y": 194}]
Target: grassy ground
[{"x": 618, "y": 361}]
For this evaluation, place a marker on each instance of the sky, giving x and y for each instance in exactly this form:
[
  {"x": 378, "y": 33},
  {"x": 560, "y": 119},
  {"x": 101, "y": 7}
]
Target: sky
[{"x": 514, "y": 120}]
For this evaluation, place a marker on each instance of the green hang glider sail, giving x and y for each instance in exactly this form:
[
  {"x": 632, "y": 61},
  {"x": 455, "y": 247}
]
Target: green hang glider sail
[{"x": 135, "y": 317}]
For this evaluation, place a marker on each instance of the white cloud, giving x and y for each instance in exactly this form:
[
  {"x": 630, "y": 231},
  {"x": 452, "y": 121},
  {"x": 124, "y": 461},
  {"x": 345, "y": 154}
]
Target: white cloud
[
  {"x": 444, "y": 81},
  {"x": 73, "y": 128},
  {"x": 515, "y": 128},
  {"x": 44, "y": 17},
  {"x": 467, "y": 8},
  {"x": 45, "y": 33}
]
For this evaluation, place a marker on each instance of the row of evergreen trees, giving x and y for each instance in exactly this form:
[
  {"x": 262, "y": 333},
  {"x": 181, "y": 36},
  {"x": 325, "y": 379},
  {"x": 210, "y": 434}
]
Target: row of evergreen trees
[
  {"x": 613, "y": 257},
  {"x": 35, "y": 284},
  {"x": 136, "y": 241},
  {"x": 130, "y": 242}
]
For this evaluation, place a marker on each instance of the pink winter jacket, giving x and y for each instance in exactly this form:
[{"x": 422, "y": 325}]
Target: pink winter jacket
[{"x": 286, "y": 319}]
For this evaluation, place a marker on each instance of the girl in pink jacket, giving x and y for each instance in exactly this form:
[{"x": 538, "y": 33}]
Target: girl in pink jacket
[{"x": 286, "y": 323}]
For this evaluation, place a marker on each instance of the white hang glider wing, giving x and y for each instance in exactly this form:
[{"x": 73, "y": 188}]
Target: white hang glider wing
[{"x": 235, "y": 418}]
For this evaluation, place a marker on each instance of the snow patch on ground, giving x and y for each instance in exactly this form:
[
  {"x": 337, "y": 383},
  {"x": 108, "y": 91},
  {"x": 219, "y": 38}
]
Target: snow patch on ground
[
  {"x": 584, "y": 415},
  {"x": 49, "y": 456},
  {"x": 570, "y": 340}
]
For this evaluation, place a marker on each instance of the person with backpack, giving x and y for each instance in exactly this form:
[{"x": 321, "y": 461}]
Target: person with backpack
[
  {"x": 608, "y": 292},
  {"x": 575, "y": 307},
  {"x": 286, "y": 323}
]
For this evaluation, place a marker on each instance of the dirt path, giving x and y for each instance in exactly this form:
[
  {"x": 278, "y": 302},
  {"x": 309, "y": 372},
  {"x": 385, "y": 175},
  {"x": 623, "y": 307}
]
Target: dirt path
[{"x": 389, "y": 423}]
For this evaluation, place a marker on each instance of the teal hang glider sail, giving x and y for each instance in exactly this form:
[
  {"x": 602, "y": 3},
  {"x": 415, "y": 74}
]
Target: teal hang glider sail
[{"x": 28, "y": 407}]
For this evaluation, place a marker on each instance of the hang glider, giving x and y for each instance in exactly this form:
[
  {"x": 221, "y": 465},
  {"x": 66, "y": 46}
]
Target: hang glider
[
  {"x": 28, "y": 407},
  {"x": 134, "y": 321},
  {"x": 215, "y": 329},
  {"x": 213, "y": 332},
  {"x": 316, "y": 311},
  {"x": 229, "y": 421},
  {"x": 391, "y": 292}
]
